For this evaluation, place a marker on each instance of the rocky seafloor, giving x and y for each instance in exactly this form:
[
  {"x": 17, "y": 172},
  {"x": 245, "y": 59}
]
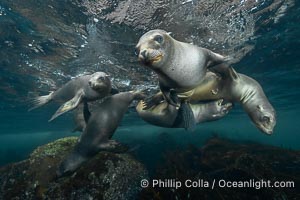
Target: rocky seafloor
[
  {"x": 105, "y": 176},
  {"x": 118, "y": 175},
  {"x": 222, "y": 159}
]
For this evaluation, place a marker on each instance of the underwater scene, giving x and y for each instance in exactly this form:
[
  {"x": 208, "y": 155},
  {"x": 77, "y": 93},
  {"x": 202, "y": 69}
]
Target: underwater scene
[{"x": 150, "y": 99}]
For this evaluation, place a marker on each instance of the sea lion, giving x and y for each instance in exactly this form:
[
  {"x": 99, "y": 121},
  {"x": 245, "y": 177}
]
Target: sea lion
[
  {"x": 78, "y": 118},
  {"x": 233, "y": 87},
  {"x": 79, "y": 114},
  {"x": 83, "y": 88},
  {"x": 166, "y": 115},
  {"x": 178, "y": 65},
  {"x": 101, "y": 125}
]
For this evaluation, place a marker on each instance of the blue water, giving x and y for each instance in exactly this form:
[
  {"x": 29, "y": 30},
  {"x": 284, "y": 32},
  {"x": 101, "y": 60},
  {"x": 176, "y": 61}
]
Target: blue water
[{"x": 274, "y": 63}]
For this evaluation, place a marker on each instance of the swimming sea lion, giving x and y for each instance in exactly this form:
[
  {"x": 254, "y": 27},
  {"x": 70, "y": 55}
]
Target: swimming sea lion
[
  {"x": 166, "y": 115},
  {"x": 234, "y": 87},
  {"x": 237, "y": 87},
  {"x": 178, "y": 65},
  {"x": 83, "y": 88},
  {"x": 78, "y": 119},
  {"x": 101, "y": 125},
  {"x": 79, "y": 114}
]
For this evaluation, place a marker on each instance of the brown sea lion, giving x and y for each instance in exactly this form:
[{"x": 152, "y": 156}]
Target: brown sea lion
[
  {"x": 178, "y": 65},
  {"x": 166, "y": 115},
  {"x": 83, "y": 88},
  {"x": 100, "y": 127},
  {"x": 231, "y": 86}
]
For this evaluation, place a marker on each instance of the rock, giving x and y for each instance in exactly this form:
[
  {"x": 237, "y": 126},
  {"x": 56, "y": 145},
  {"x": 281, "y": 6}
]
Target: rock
[
  {"x": 221, "y": 159},
  {"x": 106, "y": 176}
]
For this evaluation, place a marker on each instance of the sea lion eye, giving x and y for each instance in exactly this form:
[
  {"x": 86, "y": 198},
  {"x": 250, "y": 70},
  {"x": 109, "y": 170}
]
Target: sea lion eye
[
  {"x": 259, "y": 107},
  {"x": 159, "y": 38},
  {"x": 102, "y": 78},
  {"x": 266, "y": 119}
]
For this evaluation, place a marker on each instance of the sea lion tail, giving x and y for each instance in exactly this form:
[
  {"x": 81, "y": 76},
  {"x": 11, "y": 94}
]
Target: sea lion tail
[
  {"x": 186, "y": 114},
  {"x": 40, "y": 101}
]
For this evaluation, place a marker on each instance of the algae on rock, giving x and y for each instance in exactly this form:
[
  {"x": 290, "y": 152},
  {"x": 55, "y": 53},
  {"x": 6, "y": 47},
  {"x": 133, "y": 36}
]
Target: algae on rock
[{"x": 105, "y": 176}]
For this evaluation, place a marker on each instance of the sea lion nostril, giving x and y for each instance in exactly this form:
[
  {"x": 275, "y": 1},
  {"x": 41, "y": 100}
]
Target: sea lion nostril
[{"x": 143, "y": 53}]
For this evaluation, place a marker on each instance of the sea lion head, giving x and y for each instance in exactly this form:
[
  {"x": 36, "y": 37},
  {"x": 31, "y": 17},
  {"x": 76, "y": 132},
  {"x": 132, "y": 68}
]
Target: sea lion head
[
  {"x": 70, "y": 164},
  {"x": 264, "y": 118},
  {"x": 153, "y": 48},
  {"x": 100, "y": 81}
]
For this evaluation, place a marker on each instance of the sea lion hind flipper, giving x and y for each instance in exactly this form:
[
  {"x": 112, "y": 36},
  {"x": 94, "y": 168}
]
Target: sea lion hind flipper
[
  {"x": 40, "y": 101},
  {"x": 69, "y": 105},
  {"x": 174, "y": 97},
  {"x": 186, "y": 117},
  {"x": 171, "y": 97}
]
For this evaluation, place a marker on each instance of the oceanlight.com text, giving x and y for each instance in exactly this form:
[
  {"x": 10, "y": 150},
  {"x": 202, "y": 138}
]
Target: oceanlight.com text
[{"x": 201, "y": 183}]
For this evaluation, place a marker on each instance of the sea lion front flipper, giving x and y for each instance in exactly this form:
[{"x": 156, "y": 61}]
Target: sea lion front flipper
[
  {"x": 86, "y": 112},
  {"x": 215, "y": 58},
  {"x": 69, "y": 105},
  {"x": 186, "y": 116}
]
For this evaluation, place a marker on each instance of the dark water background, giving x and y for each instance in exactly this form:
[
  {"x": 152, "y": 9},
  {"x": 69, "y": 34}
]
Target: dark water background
[{"x": 32, "y": 63}]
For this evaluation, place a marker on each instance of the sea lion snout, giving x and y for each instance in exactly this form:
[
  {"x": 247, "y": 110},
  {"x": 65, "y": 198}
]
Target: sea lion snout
[
  {"x": 98, "y": 80},
  {"x": 143, "y": 55},
  {"x": 150, "y": 56},
  {"x": 264, "y": 119},
  {"x": 267, "y": 124},
  {"x": 70, "y": 164}
]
